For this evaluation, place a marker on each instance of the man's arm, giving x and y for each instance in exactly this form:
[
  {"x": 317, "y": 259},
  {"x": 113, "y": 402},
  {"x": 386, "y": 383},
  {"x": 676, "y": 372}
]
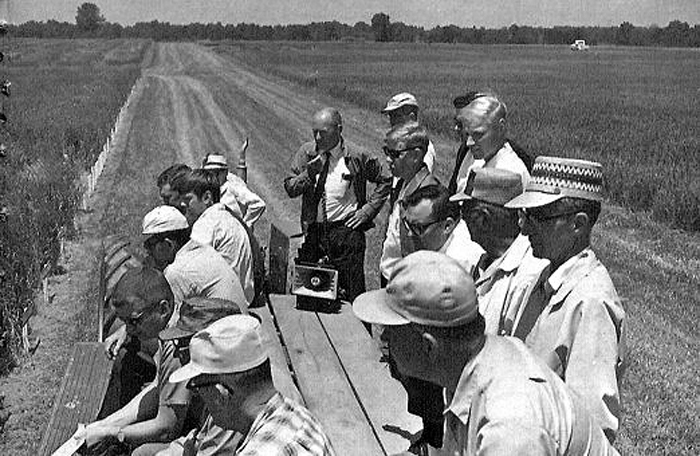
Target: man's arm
[
  {"x": 301, "y": 179},
  {"x": 376, "y": 173},
  {"x": 515, "y": 438},
  {"x": 253, "y": 205}
]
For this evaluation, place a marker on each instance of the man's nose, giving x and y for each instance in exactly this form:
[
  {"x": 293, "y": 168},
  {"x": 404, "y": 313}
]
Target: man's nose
[
  {"x": 317, "y": 135},
  {"x": 470, "y": 141}
]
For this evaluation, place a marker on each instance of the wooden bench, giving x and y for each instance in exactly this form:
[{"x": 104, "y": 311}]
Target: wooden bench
[
  {"x": 81, "y": 395},
  {"x": 335, "y": 366}
]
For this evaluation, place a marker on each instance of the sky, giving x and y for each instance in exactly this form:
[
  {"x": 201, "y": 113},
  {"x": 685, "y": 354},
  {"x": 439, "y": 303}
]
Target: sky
[{"x": 487, "y": 13}]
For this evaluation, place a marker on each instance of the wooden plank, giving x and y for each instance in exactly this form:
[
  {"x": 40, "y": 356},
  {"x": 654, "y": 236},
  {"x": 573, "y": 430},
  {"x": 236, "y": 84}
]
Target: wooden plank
[
  {"x": 279, "y": 260},
  {"x": 279, "y": 359},
  {"x": 322, "y": 381},
  {"x": 382, "y": 397},
  {"x": 81, "y": 395}
]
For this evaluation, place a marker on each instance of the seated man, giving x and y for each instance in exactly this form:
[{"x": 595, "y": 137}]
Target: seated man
[
  {"x": 230, "y": 370},
  {"x": 159, "y": 413},
  {"x": 503, "y": 400},
  {"x": 213, "y": 224},
  {"x": 235, "y": 193}
]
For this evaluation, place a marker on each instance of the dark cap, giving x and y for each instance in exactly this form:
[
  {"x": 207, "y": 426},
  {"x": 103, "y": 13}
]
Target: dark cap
[{"x": 196, "y": 314}]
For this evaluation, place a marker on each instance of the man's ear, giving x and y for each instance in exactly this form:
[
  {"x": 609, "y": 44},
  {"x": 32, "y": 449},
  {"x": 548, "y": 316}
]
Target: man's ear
[
  {"x": 165, "y": 307},
  {"x": 223, "y": 391},
  {"x": 208, "y": 198},
  {"x": 450, "y": 225},
  {"x": 580, "y": 222}
]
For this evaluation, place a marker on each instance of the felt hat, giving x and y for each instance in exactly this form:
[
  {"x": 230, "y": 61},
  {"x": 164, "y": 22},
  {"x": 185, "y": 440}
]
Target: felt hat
[
  {"x": 491, "y": 185},
  {"x": 215, "y": 161},
  {"x": 197, "y": 313},
  {"x": 229, "y": 345},
  {"x": 163, "y": 219},
  {"x": 426, "y": 287},
  {"x": 399, "y": 100},
  {"x": 554, "y": 178}
]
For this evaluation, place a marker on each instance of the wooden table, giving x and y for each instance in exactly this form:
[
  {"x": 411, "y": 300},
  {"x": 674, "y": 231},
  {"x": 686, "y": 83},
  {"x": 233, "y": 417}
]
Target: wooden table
[{"x": 330, "y": 363}]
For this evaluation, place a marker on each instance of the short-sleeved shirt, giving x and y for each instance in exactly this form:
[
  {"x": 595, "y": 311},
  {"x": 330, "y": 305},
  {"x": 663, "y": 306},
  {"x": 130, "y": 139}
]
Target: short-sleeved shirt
[
  {"x": 507, "y": 401},
  {"x": 220, "y": 229},
  {"x": 238, "y": 197},
  {"x": 199, "y": 270},
  {"x": 285, "y": 427}
]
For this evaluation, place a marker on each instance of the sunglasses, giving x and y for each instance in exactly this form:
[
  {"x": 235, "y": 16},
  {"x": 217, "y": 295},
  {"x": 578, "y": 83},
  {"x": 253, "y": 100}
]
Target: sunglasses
[
  {"x": 193, "y": 385},
  {"x": 395, "y": 154},
  {"x": 541, "y": 218},
  {"x": 418, "y": 229}
]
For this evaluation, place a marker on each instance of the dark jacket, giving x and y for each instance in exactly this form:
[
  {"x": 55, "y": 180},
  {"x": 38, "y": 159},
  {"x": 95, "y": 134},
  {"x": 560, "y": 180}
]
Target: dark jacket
[{"x": 363, "y": 168}]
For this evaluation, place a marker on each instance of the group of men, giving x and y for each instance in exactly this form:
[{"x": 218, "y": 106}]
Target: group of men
[
  {"x": 499, "y": 321},
  {"x": 494, "y": 312}
]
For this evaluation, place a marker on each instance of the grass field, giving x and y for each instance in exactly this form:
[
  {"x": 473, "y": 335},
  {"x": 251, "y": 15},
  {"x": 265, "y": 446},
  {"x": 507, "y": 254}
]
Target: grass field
[
  {"x": 65, "y": 98},
  {"x": 635, "y": 110}
]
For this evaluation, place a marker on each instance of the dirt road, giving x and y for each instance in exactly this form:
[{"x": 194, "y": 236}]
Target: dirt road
[{"x": 191, "y": 101}]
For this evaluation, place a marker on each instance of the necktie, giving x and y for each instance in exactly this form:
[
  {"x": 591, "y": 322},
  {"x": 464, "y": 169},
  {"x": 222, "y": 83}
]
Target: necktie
[{"x": 320, "y": 190}]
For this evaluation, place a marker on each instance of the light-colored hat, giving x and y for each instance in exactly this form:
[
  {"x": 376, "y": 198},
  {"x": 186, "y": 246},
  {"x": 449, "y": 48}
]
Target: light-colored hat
[
  {"x": 215, "y": 161},
  {"x": 399, "y": 100},
  {"x": 492, "y": 185},
  {"x": 554, "y": 178},
  {"x": 229, "y": 345},
  {"x": 196, "y": 314},
  {"x": 163, "y": 219},
  {"x": 427, "y": 288}
]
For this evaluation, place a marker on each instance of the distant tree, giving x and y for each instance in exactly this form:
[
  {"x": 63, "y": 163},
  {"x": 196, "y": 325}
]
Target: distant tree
[
  {"x": 88, "y": 17},
  {"x": 381, "y": 26},
  {"x": 624, "y": 33}
]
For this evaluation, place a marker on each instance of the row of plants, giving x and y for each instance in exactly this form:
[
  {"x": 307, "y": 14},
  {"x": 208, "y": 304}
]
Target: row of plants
[
  {"x": 635, "y": 110},
  {"x": 66, "y": 99}
]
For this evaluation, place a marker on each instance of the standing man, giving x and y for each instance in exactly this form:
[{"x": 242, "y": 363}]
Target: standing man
[
  {"x": 214, "y": 224},
  {"x": 230, "y": 370},
  {"x": 336, "y": 211},
  {"x": 503, "y": 400},
  {"x": 509, "y": 268},
  {"x": 433, "y": 222},
  {"x": 235, "y": 193},
  {"x": 401, "y": 109},
  {"x": 405, "y": 147},
  {"x": 481, "y": 125},
  {"x": 573, "y": 319}
]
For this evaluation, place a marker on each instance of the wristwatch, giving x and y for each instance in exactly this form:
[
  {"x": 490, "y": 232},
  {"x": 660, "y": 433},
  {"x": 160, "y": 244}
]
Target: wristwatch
[{"x": 120, "y": 436}]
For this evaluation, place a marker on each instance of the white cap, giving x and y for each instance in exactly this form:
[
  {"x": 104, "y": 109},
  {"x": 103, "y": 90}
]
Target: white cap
[
  {"x": 399, "y": 100},
  {"x": 229, "y": 345},
  {"x": 163, "y": 219},
  {"x": 215, "y": 161}
]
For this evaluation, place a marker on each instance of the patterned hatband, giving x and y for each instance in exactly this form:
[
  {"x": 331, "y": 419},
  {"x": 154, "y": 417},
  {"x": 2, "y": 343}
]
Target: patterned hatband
[{"x": 554, "y": 178}]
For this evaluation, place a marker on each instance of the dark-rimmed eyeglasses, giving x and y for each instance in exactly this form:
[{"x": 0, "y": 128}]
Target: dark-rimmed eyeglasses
[
  {"x": 541, "y": 218},
  {"x": 193, "y": 385},
  {"x": 395, "y": 154},
  {"x": 135, "y": 321},
  {"x": 418, "y": 229}
]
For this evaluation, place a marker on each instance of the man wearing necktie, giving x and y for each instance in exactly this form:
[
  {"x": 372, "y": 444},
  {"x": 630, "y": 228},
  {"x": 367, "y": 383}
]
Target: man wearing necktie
[{"x": 336, "y": 210}]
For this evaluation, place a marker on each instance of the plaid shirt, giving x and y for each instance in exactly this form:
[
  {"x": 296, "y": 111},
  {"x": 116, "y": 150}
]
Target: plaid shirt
[{"x": 285, "y": 428}]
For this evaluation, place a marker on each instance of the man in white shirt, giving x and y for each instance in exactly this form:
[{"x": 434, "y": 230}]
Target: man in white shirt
[
  {"x": 481, "y": 125},
  {"x": 215, "y": 225},
  {"x": 235, "y": 193}
]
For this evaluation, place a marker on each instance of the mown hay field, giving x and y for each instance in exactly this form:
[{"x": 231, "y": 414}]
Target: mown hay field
[
  {"x": 636, "y": 110},
  {"x": 65, "y": 98}
]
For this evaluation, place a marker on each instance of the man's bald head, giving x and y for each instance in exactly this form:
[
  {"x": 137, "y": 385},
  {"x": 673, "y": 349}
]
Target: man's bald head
[
  {"x": 327, "y": 125},
  {"x": 482, "y": 125},
  {"x": 141, "y": 288},
  {"x": 489, "y": 107}
]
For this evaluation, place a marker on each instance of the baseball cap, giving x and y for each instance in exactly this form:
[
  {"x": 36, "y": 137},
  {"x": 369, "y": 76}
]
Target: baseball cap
[
  {"x": 554, "y": 178},
  {"x": 492, "y": 185},
  {"x": 229, "y": 345},
  {"x": 163, "y": 219},
  {"x": 196, "y": 314},
  {"x": 399, "y": 100},
  {"x": 426, "y": 287},
  {"x": 215, "y": 161}
]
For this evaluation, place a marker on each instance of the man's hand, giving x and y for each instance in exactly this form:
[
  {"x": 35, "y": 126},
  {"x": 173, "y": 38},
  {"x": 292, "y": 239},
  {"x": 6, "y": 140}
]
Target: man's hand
[
  {"x": 315, "y": 165},
  {"x": 113, "y": 343},
  {"x": 356, "y": 220}
]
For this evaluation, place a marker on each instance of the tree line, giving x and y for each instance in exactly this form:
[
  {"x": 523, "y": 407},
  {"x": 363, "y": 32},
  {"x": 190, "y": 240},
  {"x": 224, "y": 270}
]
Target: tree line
[{"x": 91, "y": 24}]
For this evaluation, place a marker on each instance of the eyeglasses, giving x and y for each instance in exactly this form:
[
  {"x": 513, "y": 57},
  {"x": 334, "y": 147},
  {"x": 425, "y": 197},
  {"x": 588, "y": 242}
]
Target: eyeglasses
[
  {"x": 192, "y": 385},
  {"x": 418, "y": 229},
  {"x": 135, "y": 321},
  {"x": 150, "y": 243},
  {"x": 395, "y": 154},
  {"x": 541, "y": 218}
]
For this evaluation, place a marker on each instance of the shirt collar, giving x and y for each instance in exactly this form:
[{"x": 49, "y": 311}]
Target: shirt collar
[
  {"x": 570, "y": 267},
  {"x": 338, "y": 151}
]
